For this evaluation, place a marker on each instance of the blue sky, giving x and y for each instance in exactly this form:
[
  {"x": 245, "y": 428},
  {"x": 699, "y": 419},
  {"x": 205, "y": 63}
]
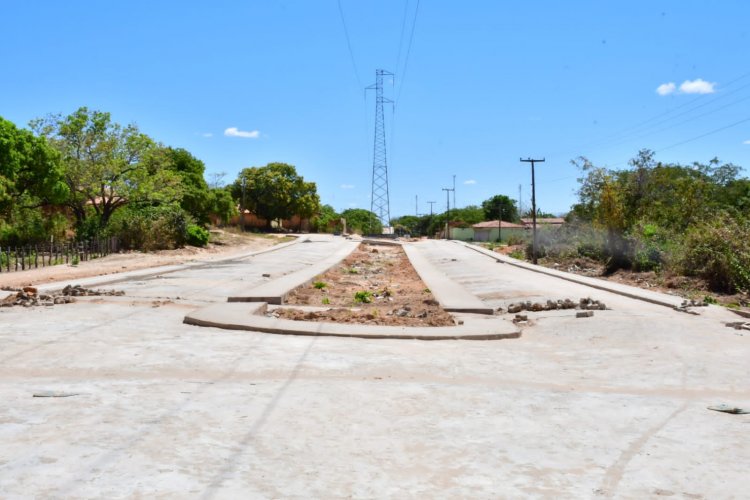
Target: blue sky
[{"x": 486, "y": 82}]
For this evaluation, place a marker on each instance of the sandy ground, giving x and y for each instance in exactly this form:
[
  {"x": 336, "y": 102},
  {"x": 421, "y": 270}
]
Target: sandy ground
[
  {"x": 226, "y": 244},
  {"x": 392, "y": 290}
]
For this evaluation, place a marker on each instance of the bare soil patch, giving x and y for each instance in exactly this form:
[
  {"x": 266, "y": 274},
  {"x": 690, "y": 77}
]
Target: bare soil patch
[
  {"x": 224, "y": 244},
  {"x": 375, "y": 285}
]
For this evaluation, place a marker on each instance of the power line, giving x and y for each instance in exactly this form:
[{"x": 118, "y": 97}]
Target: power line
[
  {"x": 670, "y": 111},
  {"x": 702, "y": 135},
  {"x": 408, "y": 52},
  {"x": 401, "y": 37},
  {"x": 349, "y": 45},
  {"x": 650, "y": 129},
  {"x": 686, "y": 141}
]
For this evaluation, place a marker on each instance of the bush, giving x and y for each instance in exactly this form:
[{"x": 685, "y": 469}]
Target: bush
[
  {"x": 718, "y": 250},
  {"x": 363, "y": 297},
  {"x": 515, "y": 240},
  {"x": 150, "y": 228},
  {"x": 197, "y": 236}
]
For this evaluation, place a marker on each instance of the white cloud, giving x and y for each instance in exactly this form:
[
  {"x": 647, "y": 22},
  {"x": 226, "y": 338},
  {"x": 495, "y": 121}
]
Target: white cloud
[
  {"x": 470, "y": 181},
  {"x": 666, "y": 88},
  {"x": 746, "y": 142},
  {"x": 352, "y": 205},
  {"x": 697, "y": 86},
  {"x": 207, "y": 134},
  {"x": 347, "y": 186},
  {"x": 235, "y": 132}
]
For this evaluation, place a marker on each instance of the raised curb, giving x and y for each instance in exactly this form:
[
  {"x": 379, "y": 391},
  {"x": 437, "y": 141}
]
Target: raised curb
[
  {"x": 238, "y": 316},
  {"x": 619, "y": 289},
  {"x": 110, "y": 279},
  {"x": 451, "y": 296},
  {"x": 276, "y": 291}
]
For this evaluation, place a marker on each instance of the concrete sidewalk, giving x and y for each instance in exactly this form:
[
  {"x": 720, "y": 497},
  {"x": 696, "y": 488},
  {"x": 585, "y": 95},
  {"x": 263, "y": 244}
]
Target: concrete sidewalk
[
  {"x": 110, "y": 279},
  {"x": 632, "y": 292},
  {"x": 451, "y": 295},
  {"x": 276, "y": 291}
]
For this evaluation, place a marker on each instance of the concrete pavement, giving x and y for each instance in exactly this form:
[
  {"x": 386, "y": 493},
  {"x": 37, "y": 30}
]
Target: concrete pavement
[{"x": 609, "y": 406}]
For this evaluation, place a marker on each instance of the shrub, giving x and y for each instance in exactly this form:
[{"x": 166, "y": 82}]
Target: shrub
[
  {"x": 515, "y": 240},
  {"x": 363, "y": 296},
  {"x": 150, "y": 228},
  {"x": 197, "y": 236},
  {"x": 718, "y": 250}
]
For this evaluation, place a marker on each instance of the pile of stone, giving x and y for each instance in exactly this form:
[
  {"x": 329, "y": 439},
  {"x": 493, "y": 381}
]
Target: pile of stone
[
  {"x": 588, "y": 304},
  {"x": 551, "y": 305},
  {"x": 29, "y": 296},
  {"x": 79, "y": 291},
  {"x": 687, "y": 304}
]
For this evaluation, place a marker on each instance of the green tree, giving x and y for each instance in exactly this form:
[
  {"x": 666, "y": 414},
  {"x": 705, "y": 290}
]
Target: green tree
[
  {"x": 195, "y": 198},
  {"x": 221, "y": 204},
  {"x": 500, "y": 204},
  {"x": 29, "y": 169},
  {"x": 31, "y": 181},
  {"x": 327, "y": 219},
  {"x": 107, "y": 166},
  {"x": 276, "y": 191},
  {"x": 362, "y": 221}
]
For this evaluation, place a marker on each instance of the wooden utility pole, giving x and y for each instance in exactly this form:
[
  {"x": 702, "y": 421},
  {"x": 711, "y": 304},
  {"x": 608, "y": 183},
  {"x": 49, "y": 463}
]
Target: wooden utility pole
[
  {"x": 500, "y": 223},
  {"x": 448, "y": 212},
  {"x": 533, "y": 205}
]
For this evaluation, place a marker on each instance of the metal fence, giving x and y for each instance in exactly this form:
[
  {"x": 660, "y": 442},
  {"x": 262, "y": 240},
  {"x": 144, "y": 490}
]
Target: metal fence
[{"x": 52, "y": 254}]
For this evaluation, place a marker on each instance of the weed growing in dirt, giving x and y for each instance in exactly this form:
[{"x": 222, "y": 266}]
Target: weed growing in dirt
[
  {"x": 363, "y": 297},
  {"x": 326, "y": 301},
  {"x": 352, "y": 270},
  {"x": 518, "y": 254},
  {"x": 426, "y": 290},
  {"x": 320, "y": 285}
]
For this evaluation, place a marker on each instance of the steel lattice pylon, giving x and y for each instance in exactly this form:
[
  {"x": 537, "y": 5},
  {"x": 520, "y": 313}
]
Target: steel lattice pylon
[{"x": 380, "y": 201}]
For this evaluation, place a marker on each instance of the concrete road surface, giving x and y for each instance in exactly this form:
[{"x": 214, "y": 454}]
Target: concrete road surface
[{"x": 609, "y": 406}]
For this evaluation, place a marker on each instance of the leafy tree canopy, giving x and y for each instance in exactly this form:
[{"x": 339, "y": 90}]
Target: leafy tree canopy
[
  {"x": 276, "y": 191},
  {"x": 195, "y": 199},
  {"x": 107, "y": 165},
  {"x": 327, "y": 219},
  {"x": 29, "y": 169},
  {"x": 500, "y": 205},
  {"x": 362, "y": 221}
]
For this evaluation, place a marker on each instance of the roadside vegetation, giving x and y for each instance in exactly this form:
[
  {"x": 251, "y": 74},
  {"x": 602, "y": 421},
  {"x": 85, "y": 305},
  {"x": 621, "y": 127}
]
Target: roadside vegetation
[
  {"x": 83, "y": 176},
  {"x": 685, "y": 227}
]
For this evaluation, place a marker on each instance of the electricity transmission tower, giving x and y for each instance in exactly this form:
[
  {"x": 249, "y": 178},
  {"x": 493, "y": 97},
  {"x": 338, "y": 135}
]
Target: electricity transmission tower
[{"x": 380, "y": 200}]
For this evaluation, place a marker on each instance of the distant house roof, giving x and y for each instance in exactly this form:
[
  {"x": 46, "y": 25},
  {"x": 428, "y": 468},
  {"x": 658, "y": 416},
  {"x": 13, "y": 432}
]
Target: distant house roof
[
  {"x": 553, "y": 221},
  {"x": 489, "y": 224}
]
